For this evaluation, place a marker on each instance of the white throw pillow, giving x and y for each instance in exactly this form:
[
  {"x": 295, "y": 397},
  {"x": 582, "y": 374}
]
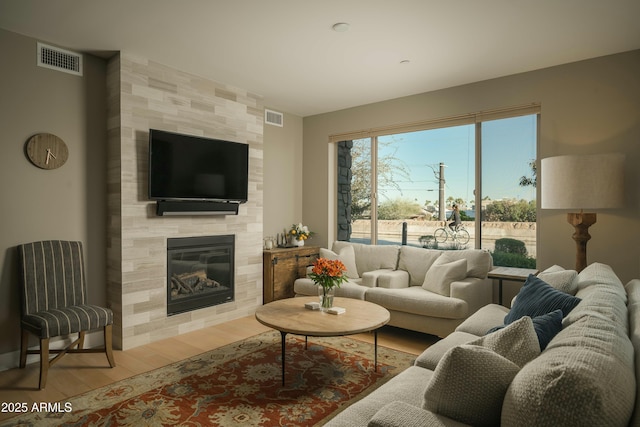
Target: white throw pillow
[
  {"x": 439, "y": 277},
  {"x": 561, "y": 279},
  {"x": 517, "y": 342},
  {"x": 469, "y": 385},
  {"x": 479, "y": 261},
  {"x": 348, "y": 258}
]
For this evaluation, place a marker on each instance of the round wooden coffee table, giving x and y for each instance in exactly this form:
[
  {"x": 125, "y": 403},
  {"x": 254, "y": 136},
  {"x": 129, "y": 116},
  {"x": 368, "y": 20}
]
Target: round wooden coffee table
[{"x": 289, "y": 316}]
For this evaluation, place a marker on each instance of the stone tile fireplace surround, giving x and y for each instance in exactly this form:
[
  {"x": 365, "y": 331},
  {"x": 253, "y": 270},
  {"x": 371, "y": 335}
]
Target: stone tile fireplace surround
[{"x": 142, "y": 95}]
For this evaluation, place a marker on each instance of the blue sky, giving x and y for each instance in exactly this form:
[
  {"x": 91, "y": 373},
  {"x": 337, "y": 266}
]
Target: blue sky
[{"x": 508, "y": 147}]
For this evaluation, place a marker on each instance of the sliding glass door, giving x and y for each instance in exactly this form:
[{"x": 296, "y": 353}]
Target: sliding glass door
[{"x": 509, "y": 179}]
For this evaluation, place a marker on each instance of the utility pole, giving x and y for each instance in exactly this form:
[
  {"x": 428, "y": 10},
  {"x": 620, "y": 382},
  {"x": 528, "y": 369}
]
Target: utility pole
[
  {"x": 440, "y": 177},
  {"x": 441, "y": 181}
]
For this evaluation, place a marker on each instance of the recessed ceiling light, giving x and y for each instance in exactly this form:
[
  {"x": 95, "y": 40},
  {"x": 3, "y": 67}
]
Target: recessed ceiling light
[
  {"x": 405, "y": 61},
  {"x": 340, "y": 27}
]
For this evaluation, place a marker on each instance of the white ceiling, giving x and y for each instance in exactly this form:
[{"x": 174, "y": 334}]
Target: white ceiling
[{"x": 286, "y": 51}]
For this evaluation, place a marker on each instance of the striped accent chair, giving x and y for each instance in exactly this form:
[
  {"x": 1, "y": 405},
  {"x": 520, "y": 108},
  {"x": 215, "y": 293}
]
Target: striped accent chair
[{"x": 54, "y": 302}]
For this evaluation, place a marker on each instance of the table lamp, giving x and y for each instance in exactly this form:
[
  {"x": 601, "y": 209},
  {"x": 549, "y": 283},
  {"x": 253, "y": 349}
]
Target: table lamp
[{"x": 582, "y": 182}]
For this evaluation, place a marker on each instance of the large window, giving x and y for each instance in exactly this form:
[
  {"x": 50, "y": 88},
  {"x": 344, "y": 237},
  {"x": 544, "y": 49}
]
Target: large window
[{"x": 404, "y": 185}]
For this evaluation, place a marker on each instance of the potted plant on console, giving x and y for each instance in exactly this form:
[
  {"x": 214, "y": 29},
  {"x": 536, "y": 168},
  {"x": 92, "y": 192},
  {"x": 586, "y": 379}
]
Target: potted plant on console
[
  {"x": 299, "y": 233},
  {"x": 328, "y": 275}
]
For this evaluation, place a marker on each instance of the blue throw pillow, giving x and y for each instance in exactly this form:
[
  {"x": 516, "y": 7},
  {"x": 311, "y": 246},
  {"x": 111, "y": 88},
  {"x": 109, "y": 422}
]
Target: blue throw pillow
[
  {"x": 537, "y": 298},
  {"x": 546, "y": 326}
]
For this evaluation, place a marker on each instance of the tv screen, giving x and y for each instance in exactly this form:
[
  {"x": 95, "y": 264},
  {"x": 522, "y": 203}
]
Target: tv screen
[{"x": 183, "y": 167}]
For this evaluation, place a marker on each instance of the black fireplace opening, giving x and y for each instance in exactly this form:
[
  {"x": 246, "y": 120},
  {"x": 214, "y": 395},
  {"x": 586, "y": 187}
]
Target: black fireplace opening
[{"x": 200, "y": 272}]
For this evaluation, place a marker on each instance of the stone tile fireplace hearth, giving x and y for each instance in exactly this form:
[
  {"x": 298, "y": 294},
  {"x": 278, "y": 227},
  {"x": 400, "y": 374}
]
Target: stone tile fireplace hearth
[{"x": 199, "y": 272}]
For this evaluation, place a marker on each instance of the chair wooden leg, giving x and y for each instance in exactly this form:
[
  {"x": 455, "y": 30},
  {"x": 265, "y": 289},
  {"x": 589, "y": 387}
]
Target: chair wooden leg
[
  {"x": 44, "y": 362},
  {"x": 24, "y": 346},
  {"x": 108, "y": 345},
  {"x": 81, "y": 340}
]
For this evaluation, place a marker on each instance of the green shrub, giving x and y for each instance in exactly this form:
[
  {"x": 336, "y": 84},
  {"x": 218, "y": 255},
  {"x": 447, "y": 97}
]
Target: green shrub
[
  {"x": 510, "y": 211},
  {"x": 398, "y": 209},
  {"x": 505, "y": 259},
  {"x": 511, "y": 246},
  {"x": 465, "y": 217}
]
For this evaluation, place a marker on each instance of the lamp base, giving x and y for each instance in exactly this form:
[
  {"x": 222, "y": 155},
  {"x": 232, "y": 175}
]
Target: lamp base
[{"x": 581, "y": 223}]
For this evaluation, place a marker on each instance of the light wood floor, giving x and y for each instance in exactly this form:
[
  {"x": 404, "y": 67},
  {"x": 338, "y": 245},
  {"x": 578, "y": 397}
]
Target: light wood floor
[{"x": 78, "y": 373}]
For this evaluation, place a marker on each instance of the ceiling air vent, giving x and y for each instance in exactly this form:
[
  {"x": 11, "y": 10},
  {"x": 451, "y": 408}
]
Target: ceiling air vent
[
  {"x": 273, "y": 118},
  {"x": 59, "y": 59}
]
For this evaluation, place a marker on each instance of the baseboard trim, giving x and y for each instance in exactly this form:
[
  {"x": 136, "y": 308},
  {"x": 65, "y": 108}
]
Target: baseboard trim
[{"x": 11, "y": 360}]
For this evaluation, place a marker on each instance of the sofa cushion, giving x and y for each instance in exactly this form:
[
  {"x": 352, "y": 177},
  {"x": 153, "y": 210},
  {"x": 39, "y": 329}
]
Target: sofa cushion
[
  {"x": 402, "y": 414},
  {"x": 561, "y": 279},
  {"x": 430, "y": 358},
  {"x": 417, "y": 261},
  {"x": 484, "y": 319},
  {"x": 348, "y": 258},
  {"x": 393, "y": 279},
  {"x": 439, "y": 277},
  {"x": 407, "y": 386},
  {"x": 469, "y": 385},
  {"x": 416, "y": 300},
  {"x": 537, "y": 298},
  {"x": 546, "y": 327},
  {"x": 479, "y": 261},
  {"x": 385, "y": 278}
]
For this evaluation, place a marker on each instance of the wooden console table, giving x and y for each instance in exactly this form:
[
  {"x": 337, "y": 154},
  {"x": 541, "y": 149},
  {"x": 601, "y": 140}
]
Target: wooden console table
[
  {"x": 509, "y": 273},
  {"x": 281, "y": 267}
]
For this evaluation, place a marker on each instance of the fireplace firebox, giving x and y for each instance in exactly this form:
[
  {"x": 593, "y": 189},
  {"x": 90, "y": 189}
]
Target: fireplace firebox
[{"x": 200, "y": 272}]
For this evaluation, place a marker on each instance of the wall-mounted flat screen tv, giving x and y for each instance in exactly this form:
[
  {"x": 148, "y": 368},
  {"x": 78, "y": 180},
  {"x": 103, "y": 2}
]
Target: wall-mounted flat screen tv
[{"x": 184, "y": 167}]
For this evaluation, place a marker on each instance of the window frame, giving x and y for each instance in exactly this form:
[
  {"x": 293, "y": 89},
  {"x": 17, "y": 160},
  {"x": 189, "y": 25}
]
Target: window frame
[{"x": 466, "y": 119}]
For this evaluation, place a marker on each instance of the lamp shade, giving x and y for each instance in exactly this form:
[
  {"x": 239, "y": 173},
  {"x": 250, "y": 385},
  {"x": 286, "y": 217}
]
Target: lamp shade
[{"x": 594, "y": 181}]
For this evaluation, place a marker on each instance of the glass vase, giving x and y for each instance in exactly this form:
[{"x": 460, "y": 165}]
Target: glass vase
[{"x": 326, "y": 297}]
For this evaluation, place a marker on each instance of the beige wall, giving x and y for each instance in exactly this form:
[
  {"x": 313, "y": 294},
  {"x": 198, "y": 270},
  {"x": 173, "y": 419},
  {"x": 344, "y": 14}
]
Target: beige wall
[
  {"x": 66, "y": 203},
  {"x": 283, "y": 175},
  {"x": 587, "y": 107}
]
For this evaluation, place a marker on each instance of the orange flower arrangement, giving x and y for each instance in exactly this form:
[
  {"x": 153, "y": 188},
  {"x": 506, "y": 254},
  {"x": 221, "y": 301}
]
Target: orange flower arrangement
[{"x": 328, "y": 273}]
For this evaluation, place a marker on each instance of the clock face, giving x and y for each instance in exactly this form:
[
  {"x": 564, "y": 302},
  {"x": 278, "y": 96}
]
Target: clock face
[{"x": 47, "y": 151}]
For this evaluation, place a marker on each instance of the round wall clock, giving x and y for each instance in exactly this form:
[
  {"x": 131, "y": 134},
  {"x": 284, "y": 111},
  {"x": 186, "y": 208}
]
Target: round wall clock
[{"x": 47, "y": 151}]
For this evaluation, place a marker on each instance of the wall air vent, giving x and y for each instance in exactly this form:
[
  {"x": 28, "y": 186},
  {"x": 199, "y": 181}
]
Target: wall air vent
[
  {"x": 273, "y": 118},
  {"x": 59, "y": 59}
]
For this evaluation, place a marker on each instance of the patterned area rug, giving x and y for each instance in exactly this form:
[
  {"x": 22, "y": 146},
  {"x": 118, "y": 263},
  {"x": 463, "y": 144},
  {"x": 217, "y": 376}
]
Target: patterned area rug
[{"x": 238, "y": 385}]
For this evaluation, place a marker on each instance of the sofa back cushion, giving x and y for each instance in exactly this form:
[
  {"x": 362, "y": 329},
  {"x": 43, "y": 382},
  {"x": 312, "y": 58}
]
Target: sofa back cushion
[
  {"x": 416, "y": 262},
  {"x": 479, "y": 261},
  {"x": 371, "y": 257},
  {"x": 633, "y": 292}
]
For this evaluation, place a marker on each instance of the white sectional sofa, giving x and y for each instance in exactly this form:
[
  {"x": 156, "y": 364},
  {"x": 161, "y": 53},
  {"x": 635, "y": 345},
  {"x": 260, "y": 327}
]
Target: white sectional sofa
[
  {"x": 580, "y": 369},
  {"x": 425, "y": 290}
]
